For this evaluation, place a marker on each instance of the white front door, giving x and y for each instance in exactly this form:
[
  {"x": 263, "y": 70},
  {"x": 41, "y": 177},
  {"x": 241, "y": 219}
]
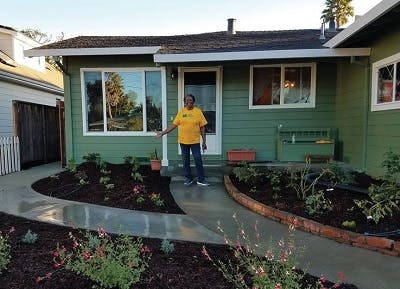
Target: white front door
[{"x": 205, "y": 84}]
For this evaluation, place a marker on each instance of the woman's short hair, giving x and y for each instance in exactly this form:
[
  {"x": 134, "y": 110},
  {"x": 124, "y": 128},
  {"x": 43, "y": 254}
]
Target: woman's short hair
[{"x": 190, "y": 95}]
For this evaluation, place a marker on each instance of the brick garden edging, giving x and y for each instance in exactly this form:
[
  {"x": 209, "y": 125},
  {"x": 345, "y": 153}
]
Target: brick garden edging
[{"x": 382, "y": 245}]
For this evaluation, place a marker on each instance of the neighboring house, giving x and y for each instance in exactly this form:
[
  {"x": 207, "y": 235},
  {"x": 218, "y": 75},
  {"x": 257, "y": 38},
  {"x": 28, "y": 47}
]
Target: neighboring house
[
  {"x": 119, "y": 90},
  {"x": 29, "y": 91}
]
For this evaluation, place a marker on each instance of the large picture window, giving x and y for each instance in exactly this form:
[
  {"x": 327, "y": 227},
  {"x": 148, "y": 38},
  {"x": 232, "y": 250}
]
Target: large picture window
[
  {"x": 386, "y": 83},
  {"x": 282, "y": 85},
  {"x": 127, "y": 101}
]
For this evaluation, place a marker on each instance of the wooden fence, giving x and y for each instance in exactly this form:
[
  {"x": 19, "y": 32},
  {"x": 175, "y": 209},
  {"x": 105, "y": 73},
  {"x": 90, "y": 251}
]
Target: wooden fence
[{"x": 9, "y": 155}]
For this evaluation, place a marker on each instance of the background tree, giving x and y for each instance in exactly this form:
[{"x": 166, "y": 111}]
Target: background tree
[
  {"x": 43, "y": 38},
  {"x": 340, "y": 10}
]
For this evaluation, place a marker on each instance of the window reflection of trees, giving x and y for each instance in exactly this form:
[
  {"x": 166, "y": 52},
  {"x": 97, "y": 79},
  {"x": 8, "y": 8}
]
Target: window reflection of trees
[{"x": 123, "y": 101}]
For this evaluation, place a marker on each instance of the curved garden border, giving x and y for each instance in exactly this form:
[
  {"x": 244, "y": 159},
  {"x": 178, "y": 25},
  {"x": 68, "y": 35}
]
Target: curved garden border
[{"x": 379, "y": 244}]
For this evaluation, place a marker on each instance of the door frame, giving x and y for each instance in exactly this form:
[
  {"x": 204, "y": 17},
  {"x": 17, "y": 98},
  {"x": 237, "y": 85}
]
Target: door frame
[{"x": 218, "y": 100}]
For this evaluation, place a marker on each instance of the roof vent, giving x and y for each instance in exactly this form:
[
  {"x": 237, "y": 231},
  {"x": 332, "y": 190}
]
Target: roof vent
[
  {"x": 332, "y": 25},
  {"x": 231, "y": 26}
]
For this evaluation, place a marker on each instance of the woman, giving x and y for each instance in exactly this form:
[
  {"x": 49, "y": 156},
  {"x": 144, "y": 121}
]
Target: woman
[{"x": 191, "y": 124}]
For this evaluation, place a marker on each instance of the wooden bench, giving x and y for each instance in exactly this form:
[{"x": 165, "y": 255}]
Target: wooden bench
[
  {"x": 327, "y": 158},
  {"x": 294, "y": 144}
]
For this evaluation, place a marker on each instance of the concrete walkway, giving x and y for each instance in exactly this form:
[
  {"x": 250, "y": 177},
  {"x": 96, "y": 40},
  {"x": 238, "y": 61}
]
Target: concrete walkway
[{"x": 204, "y": 208}]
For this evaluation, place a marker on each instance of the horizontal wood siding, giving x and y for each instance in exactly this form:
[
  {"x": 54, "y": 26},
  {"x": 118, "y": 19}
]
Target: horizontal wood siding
[
  {"x": 111, "y": 148},
  {"x": 383, "y": 126},
  {"x": 10, "y": 92},
  {"x": 257, "y": 128},
  {"x": 351, "y": 106}
]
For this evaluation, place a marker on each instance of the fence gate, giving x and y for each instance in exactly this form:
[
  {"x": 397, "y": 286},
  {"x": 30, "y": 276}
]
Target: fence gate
[
  {"x": 38, "y": 129},
  {"x": 9, "y": 155}
]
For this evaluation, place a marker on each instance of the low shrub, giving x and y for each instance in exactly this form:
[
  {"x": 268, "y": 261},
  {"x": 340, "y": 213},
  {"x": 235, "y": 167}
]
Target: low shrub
[{"x": 110, "y": 262}]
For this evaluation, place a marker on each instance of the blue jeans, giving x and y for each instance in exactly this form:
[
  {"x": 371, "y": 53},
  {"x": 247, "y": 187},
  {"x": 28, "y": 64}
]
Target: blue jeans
[{"x": 197, "y": 159}]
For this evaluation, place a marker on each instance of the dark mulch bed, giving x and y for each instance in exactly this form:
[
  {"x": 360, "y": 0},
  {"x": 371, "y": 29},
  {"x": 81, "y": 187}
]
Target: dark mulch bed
[
  {"x": 185, "y": 268},
  {"x": 65, "y": 185},
  {"x": 344, "y": 208}
]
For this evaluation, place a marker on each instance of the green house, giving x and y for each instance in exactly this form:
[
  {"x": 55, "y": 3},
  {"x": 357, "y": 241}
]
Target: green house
[{"x": 251, "y": 86}]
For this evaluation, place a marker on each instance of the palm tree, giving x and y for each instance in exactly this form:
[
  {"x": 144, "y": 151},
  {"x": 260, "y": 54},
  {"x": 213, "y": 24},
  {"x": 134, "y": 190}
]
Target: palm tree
[{"x": 340, "y": 10}]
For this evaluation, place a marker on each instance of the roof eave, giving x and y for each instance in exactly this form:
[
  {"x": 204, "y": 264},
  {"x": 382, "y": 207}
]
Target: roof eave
[
  {"x": 256, "y": 55},
  {"x": 361, "y": 22},
  {"x": 92, "y": 51},
  {"x": 10, "y": 77}
]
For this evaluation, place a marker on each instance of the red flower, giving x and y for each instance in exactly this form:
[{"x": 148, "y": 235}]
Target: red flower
[
  {"x": 323, "y": 279},
  {"x": 38, "y": 279},
  {"x": 86, "y": 255},
  {"x": 56, "y": 254},
  {"x": 48, "y": 276},
  {"x": 56, "y": 265},
  {"x": 132, "y": 264},
  {"x": 12, "y": 229}
]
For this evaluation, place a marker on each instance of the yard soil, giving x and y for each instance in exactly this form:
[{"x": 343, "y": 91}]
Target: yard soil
[
  {"x": 344, "y": 208},
  {"x": 185, "y": 268},
  {"x": 65, "y": 185}
]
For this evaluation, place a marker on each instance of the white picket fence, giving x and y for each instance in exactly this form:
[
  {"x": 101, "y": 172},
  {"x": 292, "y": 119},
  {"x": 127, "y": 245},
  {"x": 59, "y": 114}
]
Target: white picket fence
[{"x": 9, "y": 155}]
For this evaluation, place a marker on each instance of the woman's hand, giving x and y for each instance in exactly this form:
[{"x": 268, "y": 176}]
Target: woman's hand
[
  {"x": 204, "y": 146},
  {"x": 158, "y": 134}
]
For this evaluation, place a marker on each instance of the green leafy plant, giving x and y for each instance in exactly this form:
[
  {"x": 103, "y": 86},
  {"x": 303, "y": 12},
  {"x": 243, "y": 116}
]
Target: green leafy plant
[
  {"x": 156, "y": 199},
  {"x": 340, "y": 175},
  {"x": 104, "y": 180},
  {"x": 133, "y": 162},
  {"x": 30, "y": 237},
  {"x": 92, "y": 157},
  {"x": 391, "y": 164},
  {"x": 5, "y": 256},
  {"x": 275, "y": 177},
  {"x": 153, "y": 155},
  {"x": 167, "y": 247},
  {"x": 349, "y": 224},
  {"x": 110, "y": 262},
  {"x": 71, "y": 165},
  {"x": 109, "y": 187},
  {"x": 82, "y": 177},
  {"x": 140, "y": 200},
  {"x": 137, "y": 176},
  {"x": 384, "y": 198},
  {"x": 317, "y": 203},
  {"x": 247, "y": 174}
]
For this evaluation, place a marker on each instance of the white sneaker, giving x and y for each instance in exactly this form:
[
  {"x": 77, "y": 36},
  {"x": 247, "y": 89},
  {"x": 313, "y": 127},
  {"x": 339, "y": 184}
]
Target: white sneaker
[{"x": 203, "y": 183}]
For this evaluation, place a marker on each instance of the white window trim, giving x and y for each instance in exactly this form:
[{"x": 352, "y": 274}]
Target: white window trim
[
  {"x": 375, "y": 106},
  {"x": 311, "y": 104},
  {"x": 113, "y": 69}
]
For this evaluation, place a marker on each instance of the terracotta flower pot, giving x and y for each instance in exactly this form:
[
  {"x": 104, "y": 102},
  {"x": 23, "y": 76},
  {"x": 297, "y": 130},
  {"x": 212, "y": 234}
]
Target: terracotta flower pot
[
  {"x": 155, "y": 165},
  {"x": 241, "y": 155}
]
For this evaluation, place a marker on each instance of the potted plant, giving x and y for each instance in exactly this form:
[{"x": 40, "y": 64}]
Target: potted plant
[
  {"x": 238, "y": 155},
  {"x": 155, "y": 162}
]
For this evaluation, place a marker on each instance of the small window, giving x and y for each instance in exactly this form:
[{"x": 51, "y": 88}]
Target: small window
[
  {"x": 119, "y": 102},
  {"x": 386, "y": 84},
  {"x": 282, "y": 86}
]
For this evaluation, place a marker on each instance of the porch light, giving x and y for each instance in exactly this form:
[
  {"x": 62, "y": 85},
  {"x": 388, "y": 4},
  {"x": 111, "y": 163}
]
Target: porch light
[{"x": 174, "y": 73}]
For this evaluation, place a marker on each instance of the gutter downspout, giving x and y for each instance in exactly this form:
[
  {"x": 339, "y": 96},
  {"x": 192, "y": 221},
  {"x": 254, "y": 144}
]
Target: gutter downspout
[
  {"x": 366, "y": 105},
  {"x": 367, "y": 102},
  {"x": 69, "y": 149}
]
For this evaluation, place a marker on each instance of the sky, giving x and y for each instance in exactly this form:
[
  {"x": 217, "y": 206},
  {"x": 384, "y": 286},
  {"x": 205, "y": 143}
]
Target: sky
[{"x": 164, "y": 17}]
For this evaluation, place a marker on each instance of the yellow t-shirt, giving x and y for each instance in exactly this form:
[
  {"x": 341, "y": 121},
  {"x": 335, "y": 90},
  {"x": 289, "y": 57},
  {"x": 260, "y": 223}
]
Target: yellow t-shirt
[{"x": 189, "y": 122}]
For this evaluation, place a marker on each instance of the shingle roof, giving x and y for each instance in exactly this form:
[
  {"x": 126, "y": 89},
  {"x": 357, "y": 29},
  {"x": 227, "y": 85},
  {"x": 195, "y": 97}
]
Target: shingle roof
[{"x": 205, "y": 42}]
